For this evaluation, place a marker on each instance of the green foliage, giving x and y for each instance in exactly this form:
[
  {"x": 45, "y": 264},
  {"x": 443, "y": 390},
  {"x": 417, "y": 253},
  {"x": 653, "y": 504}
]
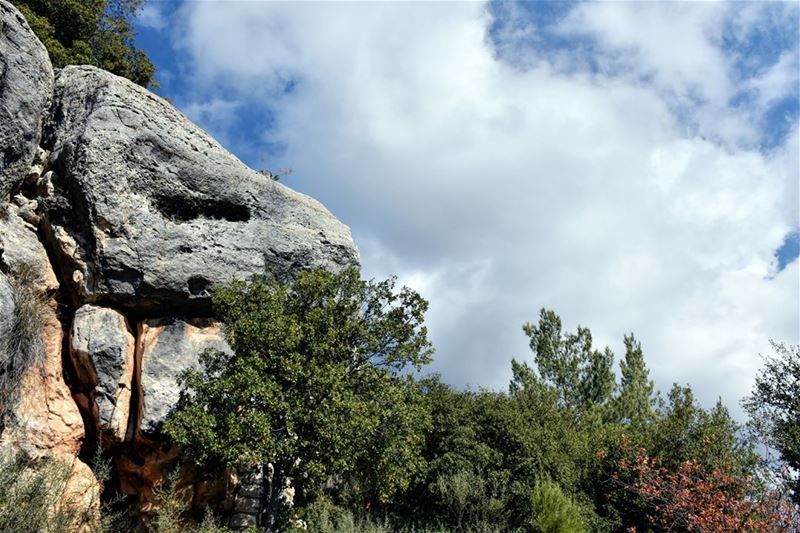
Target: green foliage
[
  {"x": 324, "y": 517},
  {"x": 567, "y": 362},
  {"x": 484, "y": 453},
  {"x": 472, "y": 501},
  {"x": 32, "y": 497},
  {"x": 316, "y": 383},
  {"x": 636, "y": 401},
  {"x": 774, "y": 406},
  {"x": 316, "y": 386},
  {"x": 554, "y": 511},
  {"x": 685, "y": 431},
  {"x": 94, "y": 32}
]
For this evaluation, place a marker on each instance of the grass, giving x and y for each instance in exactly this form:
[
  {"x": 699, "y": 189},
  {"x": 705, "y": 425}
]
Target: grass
[{"x": 21, "y": 332}]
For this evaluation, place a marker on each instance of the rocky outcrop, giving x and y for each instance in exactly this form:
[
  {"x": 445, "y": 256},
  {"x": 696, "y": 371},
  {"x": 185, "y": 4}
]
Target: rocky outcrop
[
  {"x": 102, "y": 348},
  {"x": 26, "y": 85},
  {"x": 6, "y": 314},
  {"x": 118, "y": 217},
  {"x": 166, "y": 348},
  {"x": 152, "y": 212}
]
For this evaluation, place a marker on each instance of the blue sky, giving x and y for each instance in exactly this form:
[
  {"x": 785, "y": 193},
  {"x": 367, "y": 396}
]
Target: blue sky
[{"x": 633, "y": 166}]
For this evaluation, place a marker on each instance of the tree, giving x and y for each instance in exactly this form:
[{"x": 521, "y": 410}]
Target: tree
[
  {"x": 314, "y": 368},
  {"x": 581, "y": 375},
  {"x": 636, "y": 401},
  {"x": 774, "y": 406},
  {"x": 94, "y": 32},
  {"x": 689, "y": 497}
]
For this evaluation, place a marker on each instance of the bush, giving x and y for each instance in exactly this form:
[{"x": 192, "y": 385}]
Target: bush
[
  {"x": 554, "y": 511},
  {"x": 32, "y": 496},
  {"x": 473, "y": 501}
]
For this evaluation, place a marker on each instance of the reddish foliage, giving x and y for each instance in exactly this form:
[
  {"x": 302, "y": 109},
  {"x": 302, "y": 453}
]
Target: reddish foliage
[{"x": 690, "y": 498}]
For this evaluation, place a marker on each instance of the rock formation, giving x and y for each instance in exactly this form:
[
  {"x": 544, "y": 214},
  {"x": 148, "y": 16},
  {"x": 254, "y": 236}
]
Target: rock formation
[
  {"x": 102, "y": 353},
  {"x": 118, "y": 217},
  {"x": 153, "y": 212},
  {"x": 166, "y": 348},
  {"x": 26, "y": 79}
]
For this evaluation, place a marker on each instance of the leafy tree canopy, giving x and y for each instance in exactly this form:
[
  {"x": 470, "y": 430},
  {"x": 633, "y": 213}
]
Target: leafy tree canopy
[
  {"x": 316, "y": 384},
  {"x": 90, "y": 32},
  {"x": 774, "y": 406}
]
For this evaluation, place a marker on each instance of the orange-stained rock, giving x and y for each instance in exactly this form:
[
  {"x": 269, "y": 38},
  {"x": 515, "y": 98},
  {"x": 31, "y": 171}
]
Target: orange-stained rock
[
  {"x": 41, "y": 416},
  {"x": 167, "y": 347},
  {"x": 152, "y": 465},
  {"x": 142, "y": 469},
  {"x": 82, "y": 493}
]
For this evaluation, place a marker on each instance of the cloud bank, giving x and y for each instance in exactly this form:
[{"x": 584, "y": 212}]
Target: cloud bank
[{"x": 632, "y": 166}]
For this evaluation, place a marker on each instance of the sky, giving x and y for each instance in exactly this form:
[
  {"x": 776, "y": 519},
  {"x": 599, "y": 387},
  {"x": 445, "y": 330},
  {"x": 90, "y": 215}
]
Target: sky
[{"x": 632, "y": 166}]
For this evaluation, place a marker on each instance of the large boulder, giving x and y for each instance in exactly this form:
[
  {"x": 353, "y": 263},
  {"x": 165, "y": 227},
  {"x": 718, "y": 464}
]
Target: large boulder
[
  {"x": 150, "y": 212},
  {"x": 167, "y": 347},
  {"x": 102, "y": 347},
  {"x": 26, "y": 86}
]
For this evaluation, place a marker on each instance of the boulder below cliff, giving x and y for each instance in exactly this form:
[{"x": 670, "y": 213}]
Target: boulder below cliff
[{"x": 102, "y": 348}]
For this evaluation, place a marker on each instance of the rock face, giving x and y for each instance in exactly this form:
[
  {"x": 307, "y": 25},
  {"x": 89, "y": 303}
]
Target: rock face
[
  {"x": 22, "y": 253},
  {"x": 6, "y": 313},
  {"x": 39, "y": 413},
  {"x": 155, "y": 212},
  {"x": 102, "y": 352},
  {"x": 166, "y": 348},
  {"x": 26, "y": 84},
  {"x": 42, "y": 417}
]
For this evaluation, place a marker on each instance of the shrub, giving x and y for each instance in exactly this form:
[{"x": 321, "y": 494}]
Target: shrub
[
  {"x": 554, "y": 511},
  {"x": 32, "y": 496}
]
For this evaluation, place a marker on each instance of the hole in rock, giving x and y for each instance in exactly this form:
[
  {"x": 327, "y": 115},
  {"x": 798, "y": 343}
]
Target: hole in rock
[
  {"x": 199, "y": 286},
  {"x": 183, "y": 209}
]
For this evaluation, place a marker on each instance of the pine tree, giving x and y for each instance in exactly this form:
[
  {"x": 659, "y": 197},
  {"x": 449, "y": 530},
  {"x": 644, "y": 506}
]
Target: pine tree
[
  {"x": 636, "y": 401},
  {"x": 567, "y": 362}
]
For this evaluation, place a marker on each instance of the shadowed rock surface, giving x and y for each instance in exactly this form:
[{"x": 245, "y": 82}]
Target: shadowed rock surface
[
  {"x": 102, "y": 351},
  {"x": 26, "y": 85},
  {"x": 150, "y": 212}
]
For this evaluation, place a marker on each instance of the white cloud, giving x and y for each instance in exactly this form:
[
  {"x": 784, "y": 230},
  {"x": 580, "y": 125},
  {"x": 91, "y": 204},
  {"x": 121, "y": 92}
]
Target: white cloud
[
  {"x": 150, "y": 16},
  {"x": 497, "y": 191}
]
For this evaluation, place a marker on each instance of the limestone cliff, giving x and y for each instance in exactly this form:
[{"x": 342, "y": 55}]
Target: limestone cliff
[{"x": 118, "y": 217}]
